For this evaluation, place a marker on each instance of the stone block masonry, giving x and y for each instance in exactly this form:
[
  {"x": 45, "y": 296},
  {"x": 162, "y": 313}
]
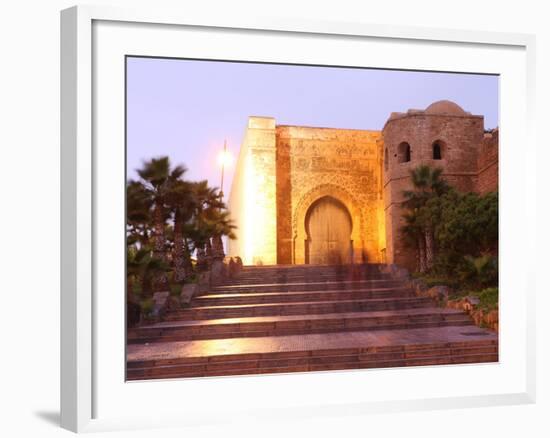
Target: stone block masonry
[
  {"x": 304, "y": 195},
  {"x": 252, "y": 201},
  {"x": 319, "y": 163},
  {"x": 487, "y": 179},
  {"x": 444, "y": 136}
]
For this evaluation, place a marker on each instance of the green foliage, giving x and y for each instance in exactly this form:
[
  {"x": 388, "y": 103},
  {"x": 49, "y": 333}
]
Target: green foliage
[
  {"x": 157, "y": 174},
  {"x": 147, "y": 306},
  {"x": 168, "y": 219},
  {"x": 466, "y": 234},
  {"x": 422, "y": 214},
  {"x": 467, "y": 223},
  {"x": 463, "y": 230},
  {"x": 175, "y": 289},
  {"x": 479, "y": 271},
  {"x": 432, "y": 280},
  {"x": 193, "y": 278},
  {"x": 427, "y": 183},
  {"x": 137, "y": 289},
  {"x": 488, "y": 298},
  {"x": 141, "y": 267}
]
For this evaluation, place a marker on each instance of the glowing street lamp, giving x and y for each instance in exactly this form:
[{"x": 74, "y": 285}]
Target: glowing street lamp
[{"x": 224, "y": 159}]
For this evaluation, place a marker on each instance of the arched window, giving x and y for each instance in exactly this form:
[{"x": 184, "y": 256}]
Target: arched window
[
  {"x": 404, "y": 152},
  {"x": 437, "y": 150},
  {"x": 386, "y": 158}
]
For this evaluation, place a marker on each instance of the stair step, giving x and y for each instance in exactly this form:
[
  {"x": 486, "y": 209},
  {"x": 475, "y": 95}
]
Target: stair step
[
  {"x": 290, "y": 325},
  {"x": 300, "y": 308},
  {"x": 304, "y": 366},
  {"x": 374, "y": 267},
  {"x": 217, "y": 299},
  {"x": 297, "y": 318},
  {"x": 313, "y": 352},
  {"x": 240, "y": 278},
  {"x": 310, "y": 271},
  {"x": 281, "y": 280},
  {"x": 306, "y": 286}
]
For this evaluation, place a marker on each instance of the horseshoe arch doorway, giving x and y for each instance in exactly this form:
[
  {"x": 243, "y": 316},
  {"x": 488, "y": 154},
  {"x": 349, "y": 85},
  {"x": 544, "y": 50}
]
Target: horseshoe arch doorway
[{"x": 328, "y": 229}]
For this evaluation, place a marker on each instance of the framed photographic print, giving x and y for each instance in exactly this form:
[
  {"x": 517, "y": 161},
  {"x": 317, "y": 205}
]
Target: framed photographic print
[{"x": 285, "y": 218}]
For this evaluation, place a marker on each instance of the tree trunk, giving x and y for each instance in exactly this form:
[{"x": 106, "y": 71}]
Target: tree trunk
[
  {"x": 201, "y": 259},
  {"x": 129, "y": 285},
  {"x": 428, "y": 235},
  {"x": 209, "y": 253},
  {"x": 421, "y": 254},
  {"x": 179, "y": 255},
  {"x": 217, "y": 248},
  {"x": 187, "y": 264},
  {"x": 160, "y": 281},
  {"x": 146, "y": 285}
]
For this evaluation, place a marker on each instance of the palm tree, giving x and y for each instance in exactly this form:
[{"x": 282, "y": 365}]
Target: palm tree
[
  {"x": 138, "y": 214},
  {"x": 188, "y": 233},
  {"x": 207, "y": 201},
  {"x": 156, "y": 177},
  {"x": 222, "y": 226},
  {"x": 427, "y": 184},
  {"x": 142, "y": 266},
  {"x": 135, "y": 259},
  {"x": 134, "y": 273},
  {"x": 415, "y": 237},
  {"x": 181, "y": 201}
]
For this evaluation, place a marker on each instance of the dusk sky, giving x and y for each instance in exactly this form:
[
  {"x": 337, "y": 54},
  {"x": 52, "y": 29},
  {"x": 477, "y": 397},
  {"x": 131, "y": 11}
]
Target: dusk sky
[{"x": 185, "y": 109}]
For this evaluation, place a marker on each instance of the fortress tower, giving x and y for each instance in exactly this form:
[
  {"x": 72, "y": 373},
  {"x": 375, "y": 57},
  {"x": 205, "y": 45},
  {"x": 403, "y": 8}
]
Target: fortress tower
[{"x": 443, "y": 135}]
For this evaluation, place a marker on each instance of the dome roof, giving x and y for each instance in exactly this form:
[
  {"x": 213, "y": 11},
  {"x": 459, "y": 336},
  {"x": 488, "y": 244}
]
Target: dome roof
[{"x": 445, "y": 107}]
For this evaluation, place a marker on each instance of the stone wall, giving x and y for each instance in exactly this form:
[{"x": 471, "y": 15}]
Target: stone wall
[
  {"x": 252, "y": 201},
  {"x": 283, "y": 170},
  {"x": 458, "y": 134},
  {"x": 487, "y": 179},
  {"x": 341, "y": 163}
]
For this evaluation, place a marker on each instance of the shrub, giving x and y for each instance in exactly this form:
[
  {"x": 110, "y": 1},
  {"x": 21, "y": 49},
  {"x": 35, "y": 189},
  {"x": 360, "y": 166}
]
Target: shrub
[
  {"x": 488, "y": 298},
  {"x": 147, "y": 306},
  {"x": 432, "y": 281},
  {"x": 479, "y": 272},
  {"x": 175, "y": 289},
  {"x": 137, "y": 289},
  {"x": 455, "y": 234},
  {"x": 467, "y": 223}
]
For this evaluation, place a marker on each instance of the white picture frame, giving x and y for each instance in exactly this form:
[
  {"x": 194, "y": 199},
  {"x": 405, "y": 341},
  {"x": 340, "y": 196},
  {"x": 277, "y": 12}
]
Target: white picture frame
[{"x": 82, "y": 179}]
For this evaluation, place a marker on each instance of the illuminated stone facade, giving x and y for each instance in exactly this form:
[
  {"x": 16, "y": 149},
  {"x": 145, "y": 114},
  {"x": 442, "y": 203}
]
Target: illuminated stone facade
[{"x": 288, "y": 177}]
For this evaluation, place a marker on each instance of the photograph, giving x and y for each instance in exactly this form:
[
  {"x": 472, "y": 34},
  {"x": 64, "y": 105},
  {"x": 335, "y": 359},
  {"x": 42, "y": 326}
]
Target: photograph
[
  {"x": 296, "y": 219},
  {"x": 291, "y": 218}
]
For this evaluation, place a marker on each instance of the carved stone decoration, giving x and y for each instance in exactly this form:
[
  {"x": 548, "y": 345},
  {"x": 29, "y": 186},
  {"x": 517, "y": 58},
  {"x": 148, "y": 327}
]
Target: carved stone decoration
[{"x": 308, "y": 199}]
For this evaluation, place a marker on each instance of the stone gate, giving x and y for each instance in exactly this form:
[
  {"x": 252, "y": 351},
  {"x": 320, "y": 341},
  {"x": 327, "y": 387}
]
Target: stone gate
[{"x": 314, "y": 195}]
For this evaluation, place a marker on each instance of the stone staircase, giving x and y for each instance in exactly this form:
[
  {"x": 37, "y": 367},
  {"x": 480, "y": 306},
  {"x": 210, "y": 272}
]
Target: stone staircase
[{"x": 273, "y": 319}]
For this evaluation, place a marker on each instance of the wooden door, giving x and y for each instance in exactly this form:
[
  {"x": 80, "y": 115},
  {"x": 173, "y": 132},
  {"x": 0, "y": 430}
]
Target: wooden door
[{"x": 328, "y": 226}]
